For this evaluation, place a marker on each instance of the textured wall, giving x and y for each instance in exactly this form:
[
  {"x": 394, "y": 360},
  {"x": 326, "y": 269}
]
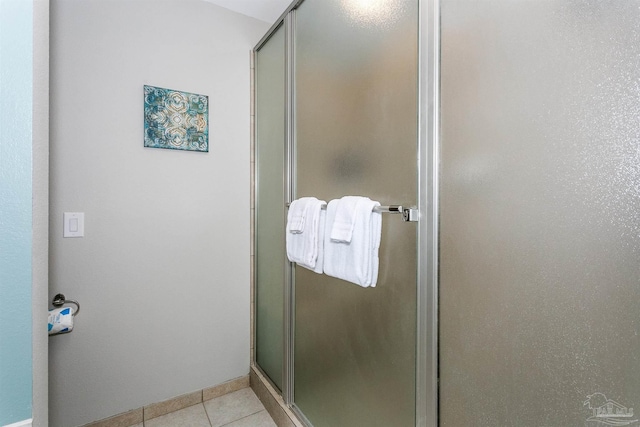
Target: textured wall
[
  {"x": 16, "y": 43},
  {"x": 162, "y": 273}
]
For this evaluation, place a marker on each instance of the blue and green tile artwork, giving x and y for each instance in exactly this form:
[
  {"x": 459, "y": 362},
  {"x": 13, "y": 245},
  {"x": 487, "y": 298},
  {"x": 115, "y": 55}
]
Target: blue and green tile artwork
[{"x": 176, "y": 120}]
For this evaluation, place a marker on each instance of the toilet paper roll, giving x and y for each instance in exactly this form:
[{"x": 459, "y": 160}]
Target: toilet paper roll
[{"x": 60, "y": 320}]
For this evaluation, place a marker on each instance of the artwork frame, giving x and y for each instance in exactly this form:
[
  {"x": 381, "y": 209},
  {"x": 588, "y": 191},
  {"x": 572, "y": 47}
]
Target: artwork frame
[{"x": 175, "y": 120}]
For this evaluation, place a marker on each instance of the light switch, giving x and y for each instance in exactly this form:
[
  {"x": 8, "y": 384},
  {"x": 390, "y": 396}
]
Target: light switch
[{"x": 73, "y": 224}]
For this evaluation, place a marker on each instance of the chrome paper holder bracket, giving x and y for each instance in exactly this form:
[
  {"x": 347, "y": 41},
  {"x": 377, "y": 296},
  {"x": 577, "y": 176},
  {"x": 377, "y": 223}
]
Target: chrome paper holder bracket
[{"x": 59, "y": 300}]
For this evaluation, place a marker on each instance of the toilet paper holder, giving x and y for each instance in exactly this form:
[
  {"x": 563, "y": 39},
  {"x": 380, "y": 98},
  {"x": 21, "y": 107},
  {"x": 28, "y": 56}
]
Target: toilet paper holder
[{"x": 59, "y": 300}]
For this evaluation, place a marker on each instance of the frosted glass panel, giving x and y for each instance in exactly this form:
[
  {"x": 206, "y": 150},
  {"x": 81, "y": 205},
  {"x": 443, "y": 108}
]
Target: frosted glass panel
[
  {"x": 539, "y": 221},
  {"x": 270, "y": 202},
  {"x": 356, "y": 74}
]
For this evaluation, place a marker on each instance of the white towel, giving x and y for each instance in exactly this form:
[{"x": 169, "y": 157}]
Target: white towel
[
  {"x": 356, "y": 261},
  {"x": 297, "y": 213},
  {"x": 319, "y": 267},
  {"x": 305, "y": 247},
  {"x": 345, "y": 219}
]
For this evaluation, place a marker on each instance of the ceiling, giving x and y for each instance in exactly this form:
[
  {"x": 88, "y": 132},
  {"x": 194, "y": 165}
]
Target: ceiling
[{"x": 264, "y": 10}]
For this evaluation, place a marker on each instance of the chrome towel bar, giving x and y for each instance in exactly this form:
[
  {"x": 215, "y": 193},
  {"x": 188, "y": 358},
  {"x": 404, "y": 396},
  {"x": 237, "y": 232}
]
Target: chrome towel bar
[{"x": 408, "y": 214}]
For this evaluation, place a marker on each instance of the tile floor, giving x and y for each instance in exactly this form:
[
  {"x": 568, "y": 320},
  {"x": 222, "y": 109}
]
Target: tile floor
[{"x": 238, "y": 409}]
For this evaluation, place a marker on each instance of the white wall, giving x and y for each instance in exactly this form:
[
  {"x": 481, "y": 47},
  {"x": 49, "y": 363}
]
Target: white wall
[{"x": 162, "y": 274}]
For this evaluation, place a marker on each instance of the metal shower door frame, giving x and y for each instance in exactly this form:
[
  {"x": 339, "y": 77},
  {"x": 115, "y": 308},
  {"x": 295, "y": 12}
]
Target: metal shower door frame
[{"x": 428, "y": 232}]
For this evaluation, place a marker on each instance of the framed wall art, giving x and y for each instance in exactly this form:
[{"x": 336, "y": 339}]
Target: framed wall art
[{"x": 176, "y": 120}]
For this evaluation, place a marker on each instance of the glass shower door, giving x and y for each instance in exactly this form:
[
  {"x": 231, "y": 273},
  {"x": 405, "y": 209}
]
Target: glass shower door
[
  {"x": 270, "y": 204},
  {"x": 540, "y": 213},
  {"x": 356, "y": 122}
]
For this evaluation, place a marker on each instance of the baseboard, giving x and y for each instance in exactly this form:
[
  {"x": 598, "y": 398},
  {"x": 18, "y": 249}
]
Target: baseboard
[
  {"x": 25, "y": 423},
  {"x": 154, "y": 410}
]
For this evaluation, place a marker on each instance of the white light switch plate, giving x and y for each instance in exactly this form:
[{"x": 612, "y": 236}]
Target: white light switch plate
[{"x": 73, "y": 224}]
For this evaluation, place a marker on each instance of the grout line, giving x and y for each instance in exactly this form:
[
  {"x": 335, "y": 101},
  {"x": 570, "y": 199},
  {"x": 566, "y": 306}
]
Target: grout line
[{"x": 207, "y": 413}]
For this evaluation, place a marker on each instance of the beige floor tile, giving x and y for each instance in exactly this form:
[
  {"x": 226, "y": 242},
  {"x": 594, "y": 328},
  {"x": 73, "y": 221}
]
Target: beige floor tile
[
  {"x": 193, "y": 416},
  {"x": 231, "y": 407},
  {"x": 261, "y": 419}
]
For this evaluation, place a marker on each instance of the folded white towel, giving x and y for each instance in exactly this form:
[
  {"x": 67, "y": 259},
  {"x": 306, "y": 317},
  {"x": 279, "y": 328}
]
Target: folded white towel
[
  {"x": 304, "y": 247},
  {"x": 345, "y": 219},
  {"x": 296, "y": 214},
  {"x": 356, "y": 261},
  {"x": 319, "y": 267}
]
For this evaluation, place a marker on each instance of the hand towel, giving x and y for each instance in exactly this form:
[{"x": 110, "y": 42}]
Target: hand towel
[
  {"x": 305, "y": 246},
  {"x": 296, "y": 214},
  {"x": 344, "y": 221},
  {"x": 357, "y": 261},
  {"x": 319, "y": 267}
]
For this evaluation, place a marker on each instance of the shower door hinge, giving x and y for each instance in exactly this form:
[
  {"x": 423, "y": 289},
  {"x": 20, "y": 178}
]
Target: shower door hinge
[{"x": 410, "y": 214}]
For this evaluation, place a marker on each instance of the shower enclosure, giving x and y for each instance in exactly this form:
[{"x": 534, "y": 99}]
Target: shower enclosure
[
  {"x": 336, "y": 118},
  {"x": 514, "y": 129}
]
